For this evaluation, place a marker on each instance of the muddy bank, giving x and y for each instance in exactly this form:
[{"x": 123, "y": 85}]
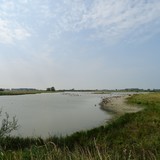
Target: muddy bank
[{"x": 118, "y": 105}]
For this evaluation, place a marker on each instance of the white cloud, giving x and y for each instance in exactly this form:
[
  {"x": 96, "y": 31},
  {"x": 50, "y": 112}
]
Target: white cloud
[
  {"x": 21, "y": 33},
  {"x": 110, "y": 19},
  {"x": 7, "y": 5},
  {"x": 5, "y": 33},
  {"x": 9, "y": 34},
  {"x": 11, "y": 28}
]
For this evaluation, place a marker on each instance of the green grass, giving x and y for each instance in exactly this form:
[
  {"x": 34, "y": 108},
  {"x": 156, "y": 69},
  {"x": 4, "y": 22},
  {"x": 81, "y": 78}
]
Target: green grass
[
  {"x": 23, "y": 92},
  {"x": 131, "y": 136},
  {"x": 3, "y": 93}
]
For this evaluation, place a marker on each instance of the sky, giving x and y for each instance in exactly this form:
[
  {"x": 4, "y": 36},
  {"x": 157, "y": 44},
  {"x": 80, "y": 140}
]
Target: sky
[{"x": 80, "y": 44}]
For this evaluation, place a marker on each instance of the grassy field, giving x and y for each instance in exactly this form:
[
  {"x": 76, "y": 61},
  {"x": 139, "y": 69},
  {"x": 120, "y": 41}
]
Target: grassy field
[{"x": 133, "y": 136}]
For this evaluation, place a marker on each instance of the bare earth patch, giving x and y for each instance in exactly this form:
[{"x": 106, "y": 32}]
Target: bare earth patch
[{"x": 119, "y": 105}]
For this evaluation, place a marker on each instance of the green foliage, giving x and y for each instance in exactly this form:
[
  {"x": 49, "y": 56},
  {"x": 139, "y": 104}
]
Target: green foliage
[
  {"x": 7, "y": 125},
  {"x": 52, "y": 89},
  {"x": 21, "y": 92}
]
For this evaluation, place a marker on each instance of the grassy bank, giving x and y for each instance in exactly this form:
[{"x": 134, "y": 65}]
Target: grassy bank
[
  {"x": 131, "y": 136},
  {"x": 22, "y": 92}
]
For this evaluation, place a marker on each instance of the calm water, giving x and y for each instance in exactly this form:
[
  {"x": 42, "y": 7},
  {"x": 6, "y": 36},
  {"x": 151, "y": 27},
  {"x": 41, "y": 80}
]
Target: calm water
[{"x": 54, "y": 114}]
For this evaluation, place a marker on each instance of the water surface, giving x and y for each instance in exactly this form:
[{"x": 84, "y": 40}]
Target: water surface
[{"x": 54, "y": 114}]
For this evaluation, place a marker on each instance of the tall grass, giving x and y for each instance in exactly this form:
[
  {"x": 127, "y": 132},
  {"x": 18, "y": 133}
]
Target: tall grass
[{"x": 133, "y": 136}]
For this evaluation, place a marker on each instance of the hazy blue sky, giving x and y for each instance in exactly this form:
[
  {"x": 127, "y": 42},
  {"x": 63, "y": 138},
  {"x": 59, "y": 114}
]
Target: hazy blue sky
[{"x": 80, "y": 44}]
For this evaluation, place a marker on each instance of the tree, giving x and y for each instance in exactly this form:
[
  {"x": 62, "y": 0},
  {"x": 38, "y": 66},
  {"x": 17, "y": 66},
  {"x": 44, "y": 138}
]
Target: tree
[
  {"x": 52, "y": 89},
  {"x": 48, "y": 89},
  {"x": 7, "y": 125}
]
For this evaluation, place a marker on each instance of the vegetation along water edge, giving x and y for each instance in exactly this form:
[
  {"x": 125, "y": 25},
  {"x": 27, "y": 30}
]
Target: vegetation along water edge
[{"x": 129, "y": 136}]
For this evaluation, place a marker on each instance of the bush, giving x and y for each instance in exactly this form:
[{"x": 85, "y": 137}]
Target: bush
[{"x": 7, "y": 125}]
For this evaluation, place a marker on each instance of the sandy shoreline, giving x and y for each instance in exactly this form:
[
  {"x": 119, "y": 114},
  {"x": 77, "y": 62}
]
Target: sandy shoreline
[{"x": 118, "y": 105}]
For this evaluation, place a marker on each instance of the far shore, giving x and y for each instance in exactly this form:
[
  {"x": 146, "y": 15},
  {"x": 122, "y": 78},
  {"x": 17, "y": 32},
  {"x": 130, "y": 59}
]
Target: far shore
[{"x": 118, "y": 105}]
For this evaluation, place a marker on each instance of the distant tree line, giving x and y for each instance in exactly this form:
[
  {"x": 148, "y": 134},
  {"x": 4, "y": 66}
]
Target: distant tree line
[
  {"x": 110, "y": 90},
  {"x": 18, "y": 89},
  {"x": 141, "y": 90}
]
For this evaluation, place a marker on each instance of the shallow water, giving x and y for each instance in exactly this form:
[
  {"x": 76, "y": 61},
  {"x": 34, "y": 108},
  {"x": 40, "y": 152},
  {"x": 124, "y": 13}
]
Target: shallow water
[{"x": 54, "y": 114}]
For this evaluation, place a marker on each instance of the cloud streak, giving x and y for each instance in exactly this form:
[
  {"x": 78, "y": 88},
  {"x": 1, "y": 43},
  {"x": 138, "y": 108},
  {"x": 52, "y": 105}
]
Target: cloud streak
[
  {"x": 9, "y": 34},
  {"x": 105, "y": 20},
  {"x": 114, "y": 20},
  {"x": 11, "y": 29}
]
